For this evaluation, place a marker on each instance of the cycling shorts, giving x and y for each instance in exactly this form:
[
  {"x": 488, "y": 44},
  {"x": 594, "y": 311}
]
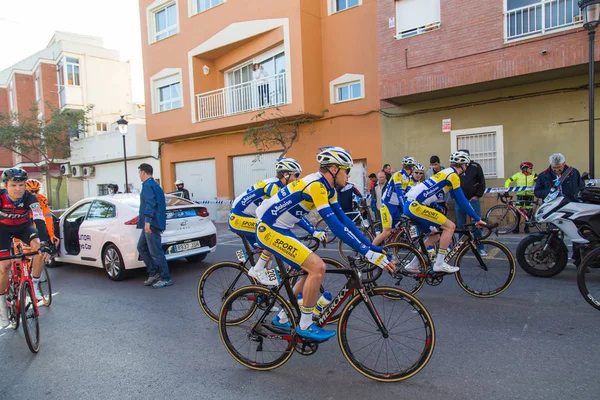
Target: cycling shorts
[
  {"x": 426, "y": 218},
  {"x": 390, "y": 216},
  {"x": 25, "y": 233},
  {"x": 243, "y": 225},
  {"x": 283, "y": 243}
]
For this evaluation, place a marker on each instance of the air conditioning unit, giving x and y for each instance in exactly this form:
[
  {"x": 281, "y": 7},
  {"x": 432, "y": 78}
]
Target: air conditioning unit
[
  {"x": 76, "y": 172},
  {"x": 88, "y": 171},
  {"x": 65, "y": 169}
]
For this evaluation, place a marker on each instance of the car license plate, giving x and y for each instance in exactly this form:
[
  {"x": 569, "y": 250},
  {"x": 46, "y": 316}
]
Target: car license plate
[{"x": 187, "y": 246}]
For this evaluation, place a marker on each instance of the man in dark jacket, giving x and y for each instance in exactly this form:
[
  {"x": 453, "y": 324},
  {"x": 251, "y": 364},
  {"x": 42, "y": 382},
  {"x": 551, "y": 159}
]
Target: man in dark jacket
[
  {"x": 152, "y": 219},
  {"x": 472, "y": 183},
  {"x": 345, "y": 196},
  {"x": 569, "y": 187}
]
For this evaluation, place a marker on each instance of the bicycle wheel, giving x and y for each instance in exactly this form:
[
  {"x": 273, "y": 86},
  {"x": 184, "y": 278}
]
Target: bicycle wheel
[
  {"x": 45, "y": 287},
  {"x": 485, "y": 276},
  {"x": 408, "y": 346},
  {"x": 14, "y": 314},
  {"x": 402, "y": 254},
  {"x": 346, "y": 251},
  {"x": 217, "y": 283},
  {"x": 505, "y": 217},
  {"x": 256, "y": 343},
  {"x": 588, "y": 278},
  {"x": 31, "y": 324},
  {"x": 322, "y": 225}
]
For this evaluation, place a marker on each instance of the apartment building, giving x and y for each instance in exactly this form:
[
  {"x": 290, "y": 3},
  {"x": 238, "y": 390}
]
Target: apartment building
[
  {"x": 505, "y": 79},
  {"x": 72, "y": 72},
  {"x": 320, "y": 62}
]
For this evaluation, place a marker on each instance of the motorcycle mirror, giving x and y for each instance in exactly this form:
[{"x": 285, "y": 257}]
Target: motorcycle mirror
[{"x": 585, "y": 176}]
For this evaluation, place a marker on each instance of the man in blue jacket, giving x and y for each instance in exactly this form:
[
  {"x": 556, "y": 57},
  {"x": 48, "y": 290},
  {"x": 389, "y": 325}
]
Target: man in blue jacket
[{"x": 153, "y": 221}]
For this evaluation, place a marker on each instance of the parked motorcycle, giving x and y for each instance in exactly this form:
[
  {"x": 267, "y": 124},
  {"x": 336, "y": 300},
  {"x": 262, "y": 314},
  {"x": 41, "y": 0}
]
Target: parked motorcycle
[{"x": 545, "y": 254}]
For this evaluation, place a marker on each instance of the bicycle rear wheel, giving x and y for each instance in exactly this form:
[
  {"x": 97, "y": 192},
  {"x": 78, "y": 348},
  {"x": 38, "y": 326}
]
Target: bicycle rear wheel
[
  {"x": 217, "y": 283},
  {"x": 505, "y": 217},
  {"x": 45, "y": 287},
  {"x": 402, "y": 254},
  {"x": 31, "y": 323},
  {"x": 485, "y": 276},
  {"x": 255, "y": 342},
  {"x": 588, "y": 278},
  {"x": 408, "y": 346}
]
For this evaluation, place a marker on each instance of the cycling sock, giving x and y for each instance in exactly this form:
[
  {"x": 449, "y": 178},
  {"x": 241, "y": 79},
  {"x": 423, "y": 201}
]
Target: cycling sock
[
  {"x": 283, "y": 318},
  {"x": 442, "y": 253},
  {"x": 262, "y": 261},
  {"x": 35, "y": 280},
  {"x": 306, "y": 317}
]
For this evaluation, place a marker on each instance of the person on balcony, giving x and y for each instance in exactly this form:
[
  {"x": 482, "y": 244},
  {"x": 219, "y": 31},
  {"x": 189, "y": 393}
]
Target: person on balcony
[{"x": 260, "y": 76}]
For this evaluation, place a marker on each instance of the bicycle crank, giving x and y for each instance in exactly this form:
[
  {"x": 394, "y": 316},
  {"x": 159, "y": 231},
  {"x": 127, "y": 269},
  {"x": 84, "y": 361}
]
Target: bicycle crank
[
  {"x": 306, "y": 347},
  {"x": 433, "y": 278}
]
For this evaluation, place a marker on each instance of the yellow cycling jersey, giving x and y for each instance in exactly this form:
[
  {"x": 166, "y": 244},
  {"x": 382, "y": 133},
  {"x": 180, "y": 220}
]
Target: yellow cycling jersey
[
  {"x": 248, "y": 202},
  {"x": 434, "y": 189},
  {"x": 397, "y": 187}
]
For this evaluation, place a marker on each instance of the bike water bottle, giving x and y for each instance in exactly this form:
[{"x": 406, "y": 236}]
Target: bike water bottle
[
  {"x": 300, "y": 300},
  {"x": 432, "y": 253},
  {"x": 413, "y": 232},
  {"x": 323, "y": 301}
]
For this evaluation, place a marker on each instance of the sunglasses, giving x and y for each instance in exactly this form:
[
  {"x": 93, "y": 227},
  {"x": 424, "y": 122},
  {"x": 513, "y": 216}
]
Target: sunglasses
[
  {"x": 418, "y": 173},
  {"x": 347, "y": 169},
  {"x": 297, "y": 174}
]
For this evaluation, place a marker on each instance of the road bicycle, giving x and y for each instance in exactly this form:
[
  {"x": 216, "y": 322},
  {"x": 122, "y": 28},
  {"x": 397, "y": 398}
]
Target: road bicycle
[
  {"x": 44, "y": 284},
  {"x": 588, "y": 278},
  {"x": 479, "y": 275},
  {"x": 384, "y": 333},
  {"x": 20, "y": 297},
  {"x": 508, "y": 214}
]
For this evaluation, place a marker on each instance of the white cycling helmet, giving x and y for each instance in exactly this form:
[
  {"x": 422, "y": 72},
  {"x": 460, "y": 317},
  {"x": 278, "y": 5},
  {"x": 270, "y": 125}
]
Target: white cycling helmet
[
  {"x": 419, "y": 167},
  {"x": 408, "y": 161},
  {"x": 288, "y": 165},
  {"x": 332, "y": 155},
  {"x": 178, "y": 182},
  {"x": 459, "y": 158}
]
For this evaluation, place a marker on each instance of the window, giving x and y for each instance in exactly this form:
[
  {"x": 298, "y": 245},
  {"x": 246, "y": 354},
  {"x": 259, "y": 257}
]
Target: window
[
  {"x": 166, "y": 90},
  {"x": 414, "y": 17},
  {"x": 165, "y": 22},
  {"x": 346, "y": 88},
  {"x": 101, "y": 127},
  {"x": 529, "y": 17},
  {"x": 169, "y": 97},
  {"x": 79, "y": 212},
  {"x": 350, "y": 91},
  {"x": 486, "y": 147},
  {"x": 203, "y": 5},
  {"x": 101, "y": 210},
  {"x": 341, "y": 5},
  {"x": 37, "y": 86},
  {"x": 72, "y": 71}
]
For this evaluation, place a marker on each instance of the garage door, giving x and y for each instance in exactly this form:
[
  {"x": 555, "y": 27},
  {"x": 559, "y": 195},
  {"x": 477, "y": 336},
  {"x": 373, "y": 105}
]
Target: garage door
[
  {"x": 200, "y": 179},
  {"x": 358, "y": 175},
  {"x": 247, "y": 170}
]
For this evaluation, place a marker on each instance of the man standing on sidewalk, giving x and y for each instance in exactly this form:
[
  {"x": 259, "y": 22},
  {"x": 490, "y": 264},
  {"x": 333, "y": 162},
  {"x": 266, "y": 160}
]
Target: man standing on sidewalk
[{"x": 153, "y": 221}]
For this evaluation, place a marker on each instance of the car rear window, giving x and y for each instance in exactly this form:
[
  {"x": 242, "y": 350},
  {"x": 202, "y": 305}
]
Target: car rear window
[{"x": 177, "y": 201}]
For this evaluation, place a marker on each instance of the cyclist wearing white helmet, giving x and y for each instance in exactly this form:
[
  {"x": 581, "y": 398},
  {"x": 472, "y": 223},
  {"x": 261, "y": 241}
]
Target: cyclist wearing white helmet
[
  {"x": 278, "y": 215},
  {"x": 242, "y": 219},
  {"x": 179, "y": 187},
  {"x": 422, "y": 208},
  {"x": 419, "y": 174},
  {"x": 392, "y": 200}
]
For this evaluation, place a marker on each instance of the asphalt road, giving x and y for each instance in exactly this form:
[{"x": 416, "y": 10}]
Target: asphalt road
[{"x": 121, "y": 340}]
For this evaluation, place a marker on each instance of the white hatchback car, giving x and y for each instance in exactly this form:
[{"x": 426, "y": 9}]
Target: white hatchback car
[{"x": 101, "y": 232}]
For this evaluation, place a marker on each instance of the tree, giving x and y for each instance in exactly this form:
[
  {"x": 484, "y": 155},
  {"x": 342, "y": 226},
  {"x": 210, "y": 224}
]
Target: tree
[
  {"x": 275, "y": 130},
  {"x": 43, "y": 141}
]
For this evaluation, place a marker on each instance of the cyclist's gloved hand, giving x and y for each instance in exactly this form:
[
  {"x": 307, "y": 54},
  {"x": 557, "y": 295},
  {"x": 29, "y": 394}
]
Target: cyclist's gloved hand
[
  {"x": 320, "y": 235},
  {"x": 381, "y": 260}
]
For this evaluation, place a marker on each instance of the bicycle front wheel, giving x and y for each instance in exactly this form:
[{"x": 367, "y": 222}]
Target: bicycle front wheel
[
  {"x": 255, "y": 342},
  {"x": 588, "y": 278},
  {"x": 31, "y": 323},
  {"x": 45, "y": 287},
  {"x": 217, "y": 283},
  {"x": 407, "y": 345},
  {"x": 485, "y": 275},
  {"x": 505, "y": 217}
]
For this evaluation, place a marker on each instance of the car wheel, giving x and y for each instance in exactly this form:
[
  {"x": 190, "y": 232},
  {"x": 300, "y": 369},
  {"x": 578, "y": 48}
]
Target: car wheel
[
  {"x": 196, "y": 258},
  {"x": 113, "y": 262}
]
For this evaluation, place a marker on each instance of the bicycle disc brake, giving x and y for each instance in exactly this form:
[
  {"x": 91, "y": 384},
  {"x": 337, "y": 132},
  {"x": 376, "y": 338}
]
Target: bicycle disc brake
[
  {"x": 433, "y": 278},
  {"x": 306, "y": 347}
]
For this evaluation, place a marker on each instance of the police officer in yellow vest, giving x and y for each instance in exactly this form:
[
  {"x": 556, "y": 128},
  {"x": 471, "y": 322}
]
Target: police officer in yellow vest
[{"x": 524, "y": 178}]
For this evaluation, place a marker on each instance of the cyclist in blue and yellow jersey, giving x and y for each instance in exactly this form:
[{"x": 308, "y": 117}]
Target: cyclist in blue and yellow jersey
[
  {"x": 242, "y": 219},
  {"x": 421, "y": 207},
  {"x": 392, "y": 201},
  {"x": 278, "y": 215}
]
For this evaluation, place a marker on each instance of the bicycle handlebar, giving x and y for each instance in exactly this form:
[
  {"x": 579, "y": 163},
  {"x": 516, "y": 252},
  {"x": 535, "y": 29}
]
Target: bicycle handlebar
[{"x": 503, "y": 197}]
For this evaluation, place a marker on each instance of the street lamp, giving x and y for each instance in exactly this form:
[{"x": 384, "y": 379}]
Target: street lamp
[
  {"x": 122, "y": 123},
  {"x": 591, "y": 14}
]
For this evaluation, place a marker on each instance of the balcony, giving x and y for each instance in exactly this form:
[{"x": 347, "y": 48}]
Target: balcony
[
  {"x": 242, "y": 98},
  {"x": 545, "y": 16}
]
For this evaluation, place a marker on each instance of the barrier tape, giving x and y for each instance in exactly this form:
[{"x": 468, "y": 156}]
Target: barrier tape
[
  {"x": 508, "y": 189},
  {"x": 213, "y": 201}
]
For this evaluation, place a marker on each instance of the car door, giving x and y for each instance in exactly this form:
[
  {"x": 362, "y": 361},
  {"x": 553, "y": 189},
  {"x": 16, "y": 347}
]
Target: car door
[
  {"x": 94, "y": 228},
  {"x": 70, "y": 226}
]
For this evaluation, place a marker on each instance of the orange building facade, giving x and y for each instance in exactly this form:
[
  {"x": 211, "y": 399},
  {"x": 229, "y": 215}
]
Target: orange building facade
[{"x": 202, "y": 94}]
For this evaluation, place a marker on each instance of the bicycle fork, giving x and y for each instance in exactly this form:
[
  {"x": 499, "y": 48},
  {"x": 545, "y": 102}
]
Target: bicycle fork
[{"x": 380, "y": 326}]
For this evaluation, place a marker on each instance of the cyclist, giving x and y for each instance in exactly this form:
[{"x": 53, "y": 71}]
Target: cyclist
[
  {"x": 34, "y": 186},
  {"x": 392, "y": 201},
  {"x": 421, "y": 207},
  {"x": 419, "y": 173},
  {"x": 242, "y": 219},
  {"x": 278, "y": 215},
  {"x": 17, "y": 209},
  {"x": 525, "y": 178},
  {"x": 180, "y": 188}
]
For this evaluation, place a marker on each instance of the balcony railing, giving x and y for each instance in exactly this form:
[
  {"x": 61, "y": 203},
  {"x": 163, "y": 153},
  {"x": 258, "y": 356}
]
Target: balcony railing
[
  {"x": 542, "y": 17},
  {"x": 244, "y": 97}
]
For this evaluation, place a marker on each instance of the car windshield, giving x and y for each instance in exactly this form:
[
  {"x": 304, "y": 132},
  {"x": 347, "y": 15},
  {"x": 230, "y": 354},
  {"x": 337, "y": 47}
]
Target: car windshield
[{"x": 134, "y": 202}]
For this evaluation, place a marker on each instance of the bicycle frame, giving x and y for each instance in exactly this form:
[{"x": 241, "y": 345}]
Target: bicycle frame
[
  {"x": 20, "y": 273},
  {"x": 468, "y": 239}
]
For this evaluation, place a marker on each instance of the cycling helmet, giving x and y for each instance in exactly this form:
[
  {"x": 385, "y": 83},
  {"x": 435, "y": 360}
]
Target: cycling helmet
[
  {"x": 460, "y": 158},
  {"x": 14, "y": 174},
  {"x": 178, "y": 182},
  {"x": 409, "y": 161},
  {"x": 288, "y": 165},
  {"x": 33, "y": 185},
  {"x": 419, "y": 167},
  {"x": 332, "y": 155},
  {"x": 525, "y": 165}
]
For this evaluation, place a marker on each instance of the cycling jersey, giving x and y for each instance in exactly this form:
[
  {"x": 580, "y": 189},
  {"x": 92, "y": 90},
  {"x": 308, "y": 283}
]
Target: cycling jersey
[
  {"x": 16, "y": 220},
  {"x": 247, "y": 202},
  {"x": 47, "y": 214},
  {"x": 398, "y": 185}
]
